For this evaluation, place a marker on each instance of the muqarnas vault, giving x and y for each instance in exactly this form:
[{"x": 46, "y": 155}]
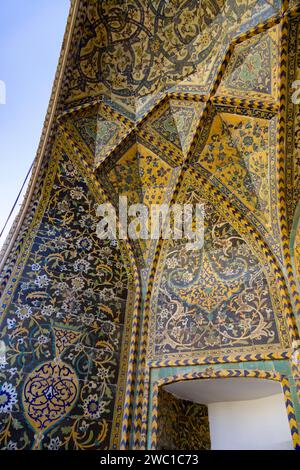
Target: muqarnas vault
[{"x": 179, "y": 101}]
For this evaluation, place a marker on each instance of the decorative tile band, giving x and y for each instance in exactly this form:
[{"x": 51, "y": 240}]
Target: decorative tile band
[
  {"x": 229, "y": 359},
  {"x": 245, "y": 103},
  {"x": 281, "y": 170}
]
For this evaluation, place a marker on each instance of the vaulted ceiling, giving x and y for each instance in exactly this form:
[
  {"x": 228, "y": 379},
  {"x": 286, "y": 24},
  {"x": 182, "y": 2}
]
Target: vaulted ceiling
[{"x": 151, "y": 85}]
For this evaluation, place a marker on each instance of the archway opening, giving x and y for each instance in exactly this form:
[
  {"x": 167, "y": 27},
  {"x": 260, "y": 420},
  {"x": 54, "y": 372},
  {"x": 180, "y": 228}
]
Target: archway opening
[{"x": 224, "y": 413}]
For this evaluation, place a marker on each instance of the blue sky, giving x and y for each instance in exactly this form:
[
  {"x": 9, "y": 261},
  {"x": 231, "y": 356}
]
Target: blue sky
[{"x": 31, "y": 33}]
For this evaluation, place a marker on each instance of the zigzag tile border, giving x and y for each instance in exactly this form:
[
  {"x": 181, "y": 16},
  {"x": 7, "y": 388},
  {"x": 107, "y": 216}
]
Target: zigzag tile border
[
  {"x": 281, "y": 175},
  {"x": 229, "y": 373},
  {"x": 245, "y": 103},
  {"x": 227, "y": 359},
  {"x": 284, "y": 5}
]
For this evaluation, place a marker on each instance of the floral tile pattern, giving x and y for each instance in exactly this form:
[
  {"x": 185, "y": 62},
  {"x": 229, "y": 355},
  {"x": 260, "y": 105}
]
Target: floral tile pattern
[
  {"x": 214, "y": 298},
  {"x": 254, "y": 68},
  {"x": 63, "y": 329},
  {"x": 182, "y": 425},
  {"x": 132, "y": 49},
  {"x": 239, "y": 156}
]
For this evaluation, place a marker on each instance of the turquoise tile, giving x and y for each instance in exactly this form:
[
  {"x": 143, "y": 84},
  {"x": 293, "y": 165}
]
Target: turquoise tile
[{"x": 282, "y": 367}]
